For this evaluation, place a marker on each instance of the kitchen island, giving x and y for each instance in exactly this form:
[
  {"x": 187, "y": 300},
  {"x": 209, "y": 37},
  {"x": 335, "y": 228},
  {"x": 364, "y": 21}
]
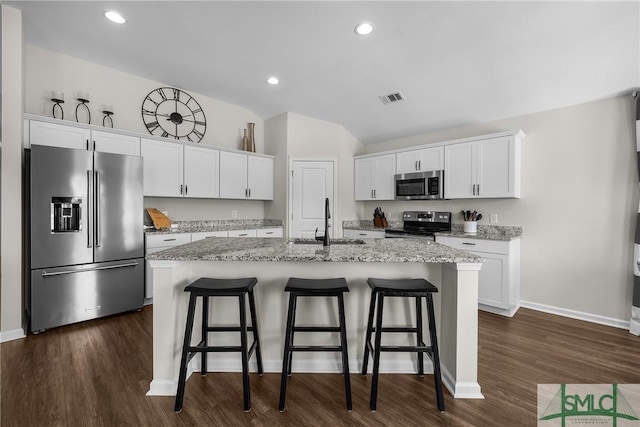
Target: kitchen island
[{"x": 273, "y": 261}]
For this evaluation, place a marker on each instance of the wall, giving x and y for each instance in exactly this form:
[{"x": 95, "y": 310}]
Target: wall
[
  {"x": 11, "y": 186},
  {"x": 578, "y": 206},
  {"x": 47, "y": 71},
  {"x": 275, "y": 142},
  {"x": 312, "y": 138}
]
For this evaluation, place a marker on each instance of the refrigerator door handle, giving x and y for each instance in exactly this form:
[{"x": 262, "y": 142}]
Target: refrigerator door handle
[
  {"x": 88, "y": 213},
  {"x": 108, "y": 267},
  {"x": 97, "y": 213}
]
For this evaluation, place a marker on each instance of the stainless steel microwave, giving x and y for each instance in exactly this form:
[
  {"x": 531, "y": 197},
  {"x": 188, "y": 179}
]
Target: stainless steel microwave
[{"x": 419, "y": 185}]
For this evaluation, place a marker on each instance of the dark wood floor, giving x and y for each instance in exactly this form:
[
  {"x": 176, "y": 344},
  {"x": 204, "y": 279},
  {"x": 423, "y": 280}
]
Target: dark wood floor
[{"x": 97, "y": 373}]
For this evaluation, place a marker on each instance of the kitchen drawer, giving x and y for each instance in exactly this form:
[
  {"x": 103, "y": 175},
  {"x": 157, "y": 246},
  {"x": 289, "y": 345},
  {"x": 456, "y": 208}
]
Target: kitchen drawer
[
  {"x": 475, "y": 245},
  {"x": 362, "y": 234},
  {"x": 160, "y": 240},
  {"x": 269, "y": 232},
  {"x": 243, "y": 233},
  {"x": 200, "y": 235}
]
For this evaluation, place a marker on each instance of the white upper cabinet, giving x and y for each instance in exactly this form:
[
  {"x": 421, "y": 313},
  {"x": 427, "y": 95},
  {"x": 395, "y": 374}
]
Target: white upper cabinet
[
  {"x": 177, "y": 170},
  {"x": 260, "y": 177},
  {"x": 80, "y": 138},
  {"x": 106, "y": 142},
  {"x": 373, "y": 177},
  {"x": 163, "y": 168},
  {"x": 427, "y": 159},
  {"x": 486, "y": 168},
  {"x": 245, "y": 176},
  {"x": 201, "y": 175}
]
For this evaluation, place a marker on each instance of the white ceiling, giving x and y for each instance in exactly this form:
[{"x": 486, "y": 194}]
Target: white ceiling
[{"x": 456, "y": 63}]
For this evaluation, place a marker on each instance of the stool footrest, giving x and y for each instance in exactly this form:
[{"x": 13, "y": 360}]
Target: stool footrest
[
  {"x": 316, "y": 329},
  {"x": 215, "y": 349},
  {"x": 315, "y": 348},
  {"x": 396, "y": 329},
  {"x": 227, "y": 329}
]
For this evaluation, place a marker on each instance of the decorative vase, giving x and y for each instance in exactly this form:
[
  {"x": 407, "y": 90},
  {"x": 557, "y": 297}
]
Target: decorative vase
[
  {"x": 252, "y": 138},
  {"x": 245, "y": 142}
]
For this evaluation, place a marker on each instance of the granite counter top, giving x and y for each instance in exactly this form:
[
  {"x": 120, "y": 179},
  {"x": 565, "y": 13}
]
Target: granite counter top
[
  {"x": 487, "y": 232},
  {"x": 282, "y": 250},
  {"x": 216, "y": 225}
]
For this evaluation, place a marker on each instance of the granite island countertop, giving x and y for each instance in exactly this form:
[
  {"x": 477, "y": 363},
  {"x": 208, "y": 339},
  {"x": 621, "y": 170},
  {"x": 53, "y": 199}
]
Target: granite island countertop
[
  {"x": 282, "y": 250},
  {"x": 216, "y": 225}
]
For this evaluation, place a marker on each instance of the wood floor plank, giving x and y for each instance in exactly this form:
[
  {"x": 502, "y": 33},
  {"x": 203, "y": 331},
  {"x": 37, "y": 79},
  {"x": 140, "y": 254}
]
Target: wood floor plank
[{"x": 97, "y": 374}]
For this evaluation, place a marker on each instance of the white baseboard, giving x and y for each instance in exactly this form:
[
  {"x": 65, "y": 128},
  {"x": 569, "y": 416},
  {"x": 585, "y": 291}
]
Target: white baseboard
[
  {"x": 14, "y": 334},
  {"x": 580, "y": 315},
  {"x": 460, "y": 390}
]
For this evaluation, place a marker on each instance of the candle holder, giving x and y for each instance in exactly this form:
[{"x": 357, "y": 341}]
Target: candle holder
[
  {"x": 107, "y": 118},
  {"x": 56, "y": 103},
  {"x": 83, "y": 103}
]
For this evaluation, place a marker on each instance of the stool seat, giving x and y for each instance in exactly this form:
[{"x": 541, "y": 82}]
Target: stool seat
[
  {"x": 297, "y": 287},
  {"x": 211, "y": 285},
  {"x": 295, "y": 284},
  {"x": 391, "y": 286}
]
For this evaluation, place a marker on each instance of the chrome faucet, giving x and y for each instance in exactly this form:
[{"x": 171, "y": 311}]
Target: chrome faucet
[{"x": 327, "y": 215}]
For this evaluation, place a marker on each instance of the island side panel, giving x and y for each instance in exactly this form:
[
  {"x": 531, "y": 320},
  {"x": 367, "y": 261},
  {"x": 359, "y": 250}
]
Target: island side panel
[
  {"x": 459, "y": 319},
  {"x": 170, "y": 302}
]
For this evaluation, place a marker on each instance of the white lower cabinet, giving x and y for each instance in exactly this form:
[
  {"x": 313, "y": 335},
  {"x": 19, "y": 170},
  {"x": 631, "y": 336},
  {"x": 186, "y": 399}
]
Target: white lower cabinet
[
  {"x": 201, "y": 235},
  {"x": 362, "y": 234},
  {"x": 243, "y": 233},
  {"x": 156, "y": 243},
  {"x": 269, "y": 232},
  {"x": 499, "y": 278}
]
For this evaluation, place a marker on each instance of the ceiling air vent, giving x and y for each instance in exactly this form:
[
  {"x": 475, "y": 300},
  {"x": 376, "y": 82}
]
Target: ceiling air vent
[{"x": 392, "y": 98}]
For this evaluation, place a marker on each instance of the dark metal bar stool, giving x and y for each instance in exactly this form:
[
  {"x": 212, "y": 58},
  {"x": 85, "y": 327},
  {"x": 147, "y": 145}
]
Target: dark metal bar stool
[
  {"x": 418, "y": 288},
  {"x": 205, "y": 288},
  {"x": 314, "y": 288}
]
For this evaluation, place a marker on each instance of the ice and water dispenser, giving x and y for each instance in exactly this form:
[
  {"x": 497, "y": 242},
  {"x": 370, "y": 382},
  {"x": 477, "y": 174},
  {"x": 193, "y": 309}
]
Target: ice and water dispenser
[{"x": 66, "y": 214}]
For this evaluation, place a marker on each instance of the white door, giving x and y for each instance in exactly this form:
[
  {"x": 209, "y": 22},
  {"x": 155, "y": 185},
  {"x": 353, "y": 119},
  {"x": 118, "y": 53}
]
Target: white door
[
  {"x": 496, "y": 177},
  {"x": 383, "y": 171},
  {"x": 233, "y": 175},
  {"x": 407, "y": 162},
  {"x": 162, "y": 168},
  {"x": 459, "y": 171},
  {"x": 431, "y": 159},
  {"x": 363, "y": 179},
  {"x": 54, "y": 135},
  {"x": 260, "y": 177},
  {"x": 105, "y": 142},
  {"x": 201, "y": 172},
  {"x": 311, "y": 183}
]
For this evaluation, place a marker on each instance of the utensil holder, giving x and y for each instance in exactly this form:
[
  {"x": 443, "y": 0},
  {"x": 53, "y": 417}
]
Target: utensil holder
[{"x": 470, "y": 226}]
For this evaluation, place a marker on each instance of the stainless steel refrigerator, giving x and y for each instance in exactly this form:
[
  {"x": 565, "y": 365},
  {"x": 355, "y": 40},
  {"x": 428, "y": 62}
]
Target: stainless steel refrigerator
[{"x": 86, "y": 237}]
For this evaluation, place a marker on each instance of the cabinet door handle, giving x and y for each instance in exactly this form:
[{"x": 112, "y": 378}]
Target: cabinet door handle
[
  {"x": 94, "y": 146},
  {"x": 181, "y": 189},
  {"x": 478, "y": 189},
  {"x": 419, "y": 164},
  {"x": 186, "y": 189},
  {"x": 87, "y": 144},
  {"x": 169, "y": 240},
  {"x": 474, "y": 189},
  {"x": 269, "y": 232},
  {"x": 468, "y": 243},
  {"x": 362, "y": 234},
  {"x": 243, "y": 234},
  {"x": 416, "y": 165}
]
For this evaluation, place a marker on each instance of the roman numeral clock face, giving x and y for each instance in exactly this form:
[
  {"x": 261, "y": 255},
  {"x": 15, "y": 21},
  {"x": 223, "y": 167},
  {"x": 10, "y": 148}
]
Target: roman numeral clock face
[{"x": 173, "y": 113}]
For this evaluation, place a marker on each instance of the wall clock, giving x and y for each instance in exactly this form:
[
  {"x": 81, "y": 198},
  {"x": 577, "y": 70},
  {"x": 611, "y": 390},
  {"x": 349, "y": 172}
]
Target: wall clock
[{"x": 173, "y": 113}]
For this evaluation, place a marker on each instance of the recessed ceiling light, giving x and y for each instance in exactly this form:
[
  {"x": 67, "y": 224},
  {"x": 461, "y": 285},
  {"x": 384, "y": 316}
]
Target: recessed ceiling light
[
  {"x": 273, "y": 80},
  {"x": 364, "y": 29},
  {"x": 115, "y": 17}
]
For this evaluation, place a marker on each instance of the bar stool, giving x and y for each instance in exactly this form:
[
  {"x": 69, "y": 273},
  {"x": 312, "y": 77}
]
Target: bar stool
[
  {"x": 418, "y": 288},
  {"x": 205, "y": 288},
  {"x": 314, "y": 288}
]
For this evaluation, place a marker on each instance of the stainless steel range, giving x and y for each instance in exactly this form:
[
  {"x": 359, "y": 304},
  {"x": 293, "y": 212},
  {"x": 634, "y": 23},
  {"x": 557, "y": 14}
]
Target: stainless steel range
[{"x": 421, "y": 224}]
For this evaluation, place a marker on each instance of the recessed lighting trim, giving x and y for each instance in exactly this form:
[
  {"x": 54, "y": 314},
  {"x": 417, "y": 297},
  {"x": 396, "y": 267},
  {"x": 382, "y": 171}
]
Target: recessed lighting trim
[
  {"x": 364, "y": 29},
  {"x": 273, "y": 80},
  {"x": 114, "y": 17}
]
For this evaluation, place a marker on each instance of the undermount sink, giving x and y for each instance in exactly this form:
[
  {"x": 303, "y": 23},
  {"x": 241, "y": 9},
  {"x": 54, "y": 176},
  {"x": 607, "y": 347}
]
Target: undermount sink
[{"x": 298, "y": 241}]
